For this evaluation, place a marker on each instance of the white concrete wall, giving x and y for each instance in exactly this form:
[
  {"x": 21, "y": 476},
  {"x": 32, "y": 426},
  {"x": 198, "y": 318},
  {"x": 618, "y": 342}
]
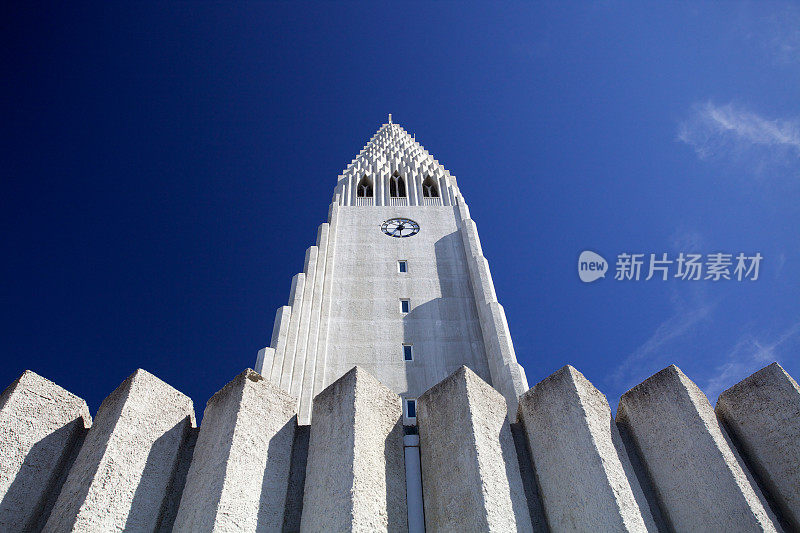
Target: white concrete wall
[
  {"x": 240, "y": 470},
  {"x": 367, "y": 327},
  {"x": 763, "y": 414},
  {"x": 41, "y": 429},
  {"x": 700, "y": 480},
  {"x": 470, "y": 472},
  {"x": 355, "y": 475},
  {"x": 131, "y": 470}
]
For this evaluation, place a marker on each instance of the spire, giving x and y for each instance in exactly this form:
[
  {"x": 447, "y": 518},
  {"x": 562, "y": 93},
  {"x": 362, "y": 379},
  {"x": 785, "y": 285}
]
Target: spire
[{"x": 393, "y": 149}]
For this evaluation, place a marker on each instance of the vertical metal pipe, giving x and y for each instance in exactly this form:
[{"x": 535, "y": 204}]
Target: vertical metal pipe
[{"x": 416, "y": 514}]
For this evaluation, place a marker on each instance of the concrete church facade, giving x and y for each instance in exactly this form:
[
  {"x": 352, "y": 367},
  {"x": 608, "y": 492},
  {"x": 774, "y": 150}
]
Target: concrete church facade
[
  {"x": 390, "y": 399},
  {"x": 346, "y": 306}
]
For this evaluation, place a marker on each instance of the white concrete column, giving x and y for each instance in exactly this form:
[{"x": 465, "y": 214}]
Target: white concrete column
[
  {"x": 125, "y": 468},
  {"x": 355, "y": 475},
  {"x": 298, "y": 335},
  {"x": 310, "y": 351},
  {"x": 470, "y": 471},
  {"x": 327, "y": 300},
  {"x": 763, "y": 414},
  {"x": 41, "y": 429},
  {"x": 265, "y": 358},
  {"x": 585, "y": 478},
  {"x": 414, "y": 188},
  {"x": 296, "y": 299},
  {"x": 280, "y": 330},
  {"x": 699, "y": 480},
  {"x": 351, "y": 194},
  {"x": 240, "y": 469},
  {"x": 444, "y": 191}
]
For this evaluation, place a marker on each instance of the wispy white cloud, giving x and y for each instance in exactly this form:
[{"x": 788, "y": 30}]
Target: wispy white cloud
[
  {"x": 774, "y": 28},
  {"x": 655, "y": 353},
  {"x": 733, "y": 134},
  {"x": 691, "y": 308},
  {"x": 748, "y": 355},
  {"x": 715, "y": 128}
]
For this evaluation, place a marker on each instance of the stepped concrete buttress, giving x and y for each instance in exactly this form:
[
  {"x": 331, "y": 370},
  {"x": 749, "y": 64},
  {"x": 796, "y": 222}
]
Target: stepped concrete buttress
[
  {"x": 586, "y": 480},
  {"x": 355, "y": 475},
  {"x": 41, "y": 429},
  {"x": 240, "y": 469},
  {"x": 470, "y": 472},
  {"x": 698, "y": 477},
  {"x": 762, "y": 413},
  {"x": 125, "y": 471}
]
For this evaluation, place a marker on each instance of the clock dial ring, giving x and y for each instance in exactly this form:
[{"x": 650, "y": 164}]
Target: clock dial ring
[{"x": 400, "y": 227}]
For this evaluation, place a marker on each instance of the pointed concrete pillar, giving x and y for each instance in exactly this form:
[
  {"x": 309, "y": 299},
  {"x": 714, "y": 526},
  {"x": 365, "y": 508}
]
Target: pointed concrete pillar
[
  {"x": 763, "y": 414},
  {"x": 698, "y": 478},
  {"x": 240, "y": 468},
  {"x": 355, "y": 475},
  {"x": 586, "y": 480},
  {"x": 470, "y": 474},
  {"x": 41, "y": 429},
  {"x": 124, "y": 473}
]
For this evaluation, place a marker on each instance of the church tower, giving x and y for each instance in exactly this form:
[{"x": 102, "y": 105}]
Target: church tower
[{"x": 396, "y": 284}]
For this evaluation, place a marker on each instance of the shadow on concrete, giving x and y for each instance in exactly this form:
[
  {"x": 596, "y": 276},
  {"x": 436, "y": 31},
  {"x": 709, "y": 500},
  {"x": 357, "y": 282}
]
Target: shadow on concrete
[
  {"x": 295, "y": 489},
  {"x": 35, "y": 478},
  {"x": 151, "y": 503},
  {"x": 640, "y": 474},
  {"x": 436, "y": 326},
  {"x": 529, "y": 480},
  {"x": 169, "y": 510},
  {"x": 394, "y": 459},
  {"x": 64, "y": 513}
]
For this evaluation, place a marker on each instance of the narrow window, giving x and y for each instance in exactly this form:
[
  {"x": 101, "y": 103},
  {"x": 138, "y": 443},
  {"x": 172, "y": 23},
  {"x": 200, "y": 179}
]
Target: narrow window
[
  {"x": 397, "y": 186},
  {"x": 405, "y": 305},
  {"x": 411, "y": 408},
  {"x": 402, "y": 266},
  {"x": 364, "y": 188},
  {"x": 429, "y": 188},
  {"x": 407, "y": 353}
]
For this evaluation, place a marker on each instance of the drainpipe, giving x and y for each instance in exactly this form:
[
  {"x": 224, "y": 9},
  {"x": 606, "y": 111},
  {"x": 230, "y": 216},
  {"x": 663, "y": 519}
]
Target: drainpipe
[{"x": 416, "y": 515}]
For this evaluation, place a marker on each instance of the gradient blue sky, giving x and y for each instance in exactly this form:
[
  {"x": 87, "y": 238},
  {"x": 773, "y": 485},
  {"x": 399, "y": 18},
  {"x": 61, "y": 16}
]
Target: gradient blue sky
[{"x": 165, "y": 167}]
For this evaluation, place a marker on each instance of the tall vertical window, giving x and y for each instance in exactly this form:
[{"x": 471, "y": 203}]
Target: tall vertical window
[
  {"x": 402, "y": 266},
  {"x": 411, "y": 408},
  {"x": 405, "y": 305},
  {"x": 364, "y": 188},
  {"x": 429, "y": 188},
  {"x": 397, "y": 186},
  {"x": 408, "y": 354}
]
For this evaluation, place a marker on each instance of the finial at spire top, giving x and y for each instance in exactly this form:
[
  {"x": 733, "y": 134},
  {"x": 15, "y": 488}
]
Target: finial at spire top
[{"x": 390, "y": 118}]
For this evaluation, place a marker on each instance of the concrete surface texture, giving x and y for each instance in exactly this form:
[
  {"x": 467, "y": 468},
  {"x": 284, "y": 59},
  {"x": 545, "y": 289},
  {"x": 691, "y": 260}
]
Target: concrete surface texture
[
  {"x": 249, "y": 473},
  {"x": 762, "y": 413},
  {"x": 454, "y": 317},
  {"x": 355, "y": 475},
  {"x": 701, "y": 482},
  {"x": 470, "y": 473},
  {"x": 41, "y": 428},
  {"x": 587, "y": 482},
  {"x": 239, "y": 474},
  {"x": 124, "y": 470}
]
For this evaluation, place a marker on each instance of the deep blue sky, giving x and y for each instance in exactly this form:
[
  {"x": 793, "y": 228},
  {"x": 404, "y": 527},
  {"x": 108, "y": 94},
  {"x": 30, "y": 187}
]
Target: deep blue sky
[{"x": 165, "y": 167}]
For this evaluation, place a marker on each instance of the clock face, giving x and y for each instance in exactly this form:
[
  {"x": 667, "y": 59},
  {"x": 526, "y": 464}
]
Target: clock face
[{"x": 400, "y": 227}]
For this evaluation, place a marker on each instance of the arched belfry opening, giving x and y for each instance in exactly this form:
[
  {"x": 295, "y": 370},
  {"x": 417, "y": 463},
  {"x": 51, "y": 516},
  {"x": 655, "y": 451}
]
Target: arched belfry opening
[
  {"x": 429, "y": 188},
  {"x": 397, "y": 186},
  {"x": 364, "y": 188}
]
